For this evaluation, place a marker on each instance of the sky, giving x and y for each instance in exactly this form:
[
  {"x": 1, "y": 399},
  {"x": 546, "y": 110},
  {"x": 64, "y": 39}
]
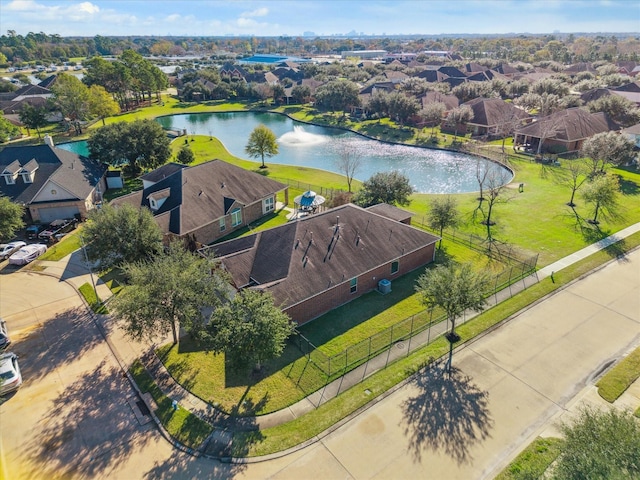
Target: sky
[{"x": 321, "y": 17}]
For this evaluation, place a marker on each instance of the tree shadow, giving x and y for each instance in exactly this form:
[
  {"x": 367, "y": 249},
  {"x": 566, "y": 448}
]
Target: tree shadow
[
  {"x": 449, "y": 414},
  {"x": 90, "y": 428},
  {"x": 58, "y": 341},
  {"x": 185, "y": 466}
]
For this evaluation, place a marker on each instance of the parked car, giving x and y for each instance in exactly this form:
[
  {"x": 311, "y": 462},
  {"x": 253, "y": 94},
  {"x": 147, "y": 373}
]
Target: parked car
[
  {"x": 7, "y": 249},
  {"x": 10, "y": 377},
  {"x": 57, "y": 227},
  {"x": 34, "y": 230},
  {"x": 5, "y": 341},
  {"x": 27, "y": 254}
]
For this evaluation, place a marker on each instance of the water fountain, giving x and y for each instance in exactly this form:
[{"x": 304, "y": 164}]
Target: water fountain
[{"x": 299, "y": 136}]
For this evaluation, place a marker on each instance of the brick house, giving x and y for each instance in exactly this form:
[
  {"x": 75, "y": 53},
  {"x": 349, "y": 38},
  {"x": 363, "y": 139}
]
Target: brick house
[
  {"x": 50, "y": 182},
  {"x": 322, "y": 261},
  {"x": 207, "y": 201}
]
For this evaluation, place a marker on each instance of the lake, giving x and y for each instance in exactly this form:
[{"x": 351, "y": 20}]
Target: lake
[{"x": 429, "y": 171}]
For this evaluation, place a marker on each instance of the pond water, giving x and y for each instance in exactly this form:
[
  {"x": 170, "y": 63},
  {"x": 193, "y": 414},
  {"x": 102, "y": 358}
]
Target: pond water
[{"x": 429, "y": 171}]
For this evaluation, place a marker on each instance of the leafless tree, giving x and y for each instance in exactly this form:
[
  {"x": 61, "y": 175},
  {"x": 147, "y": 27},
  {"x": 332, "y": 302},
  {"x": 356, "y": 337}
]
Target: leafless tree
[
  {"x": 508, "y": 121},
  {"x": 548, "y": 128},
  {"x": 497, "y": 193},
  {"x": 348, "y": 161},
  {"x": 573, "y": 176}
]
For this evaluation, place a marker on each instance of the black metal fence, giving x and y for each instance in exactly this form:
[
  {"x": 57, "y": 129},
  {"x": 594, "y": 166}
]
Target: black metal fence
[{"x": 419, "y": 329}]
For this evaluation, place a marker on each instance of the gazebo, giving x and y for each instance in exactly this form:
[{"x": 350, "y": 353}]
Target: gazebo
[{"x": 308, "y": 202}]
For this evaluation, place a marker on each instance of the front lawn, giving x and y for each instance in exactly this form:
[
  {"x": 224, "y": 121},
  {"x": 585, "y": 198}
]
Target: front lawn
[
  {"x": 67, "y": 245},
  {"x": 534, "y": 460}
]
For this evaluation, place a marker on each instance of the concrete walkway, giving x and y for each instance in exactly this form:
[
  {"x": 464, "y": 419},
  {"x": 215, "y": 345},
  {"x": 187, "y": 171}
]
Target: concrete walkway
[{"x": 73, "y": 269}]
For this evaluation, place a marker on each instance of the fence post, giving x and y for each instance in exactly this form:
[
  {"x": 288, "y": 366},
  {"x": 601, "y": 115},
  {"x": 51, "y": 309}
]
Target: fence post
[{"x": 369, "y": 354}]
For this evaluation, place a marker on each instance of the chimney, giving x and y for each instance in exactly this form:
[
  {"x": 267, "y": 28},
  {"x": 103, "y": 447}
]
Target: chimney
[{"x": 48, "y": 140}]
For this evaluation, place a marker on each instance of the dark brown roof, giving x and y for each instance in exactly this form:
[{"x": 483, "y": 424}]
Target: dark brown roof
[
  {"x": 571, "y": 125},
  {"x": 390, "y": 211},
  {"x": 301, "y": 259},
  {"x": 492, "y": 111},
  {"x": 450, "y": 101},
  {"x": 203, "y": 193}
]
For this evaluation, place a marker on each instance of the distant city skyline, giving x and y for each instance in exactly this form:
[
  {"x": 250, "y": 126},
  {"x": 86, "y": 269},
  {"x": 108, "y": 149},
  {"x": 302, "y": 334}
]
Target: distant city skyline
[{"x": 317, "y": 18}]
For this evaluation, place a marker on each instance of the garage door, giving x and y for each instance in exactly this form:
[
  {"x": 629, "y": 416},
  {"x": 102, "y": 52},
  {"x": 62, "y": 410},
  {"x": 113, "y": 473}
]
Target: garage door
[{"x": 50, "y": 214}]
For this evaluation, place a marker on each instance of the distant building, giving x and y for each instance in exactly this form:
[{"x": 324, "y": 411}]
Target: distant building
[{"x": 364, "y": 54}]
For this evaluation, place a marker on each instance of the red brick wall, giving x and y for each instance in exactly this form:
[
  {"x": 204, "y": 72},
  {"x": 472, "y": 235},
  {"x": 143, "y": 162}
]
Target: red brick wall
[
  {"x": 340, "y": 294},
  {"x": 211, "y": 232}
]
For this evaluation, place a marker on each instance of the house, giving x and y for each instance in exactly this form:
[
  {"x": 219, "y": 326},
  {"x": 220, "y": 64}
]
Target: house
[
  {"x": 34, "y": 95},
  {"x": 633, "y": 134},
  {"x": 322, "y": 261},
  {"x": 51, "y": 182},
  {"x": 450, "y": 101},
  {"x": 563, "y": 131},
  {"x": 205, "y": 202},
  {"x": 491, "y": 114}
]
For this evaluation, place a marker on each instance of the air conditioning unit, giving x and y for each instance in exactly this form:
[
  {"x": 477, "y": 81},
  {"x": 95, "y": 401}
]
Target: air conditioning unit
[{"x": 384, "y": 286}]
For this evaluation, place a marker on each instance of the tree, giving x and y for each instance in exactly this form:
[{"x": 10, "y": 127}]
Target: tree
[
  {"x": 10, "y": 218},
  {"x": 101, "y": 104},
  {"x": 600, "y": 444},
  {"x": 115, "y": 236},
  {"x": 402, "y": 107},
  {"x": 379, "y": 103},
  {"x": 459, "y": 116},
  {"x": 138, "y": 144},
  {"x": 337, "y": 95},
  {"x": 33, "y": 117},
  {"x": 620, "y": 109},
  {"x": 7, "y": 129},
  {"x": 455, "y": 289},
  {"x": 574, "y": 179},
  {"x": 262, "y": 142},
  {"x": 607, "y": 148},
  {"x": 443, "y": 214},
  {"x": 71, "y": 96},
  {"x": 249, "y": 328},
  {"x": 167, "y": 292},
  {"x": 300, "y": 94},
  {"x": 433, "y": 113},
  {"x": 602, "y": 194},
  {"x": 348, "y": 161},
  {"x": 384, "y": 187},
  {"x": 185, "y": 155},
  {"x": 496, "y": 183}
]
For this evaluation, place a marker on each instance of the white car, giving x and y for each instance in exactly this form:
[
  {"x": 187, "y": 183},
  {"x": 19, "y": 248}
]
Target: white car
[
  {"x": 10, "y": 377},
  {"x": 7, "y": 249},
  {"x": 27, "y": 254}
]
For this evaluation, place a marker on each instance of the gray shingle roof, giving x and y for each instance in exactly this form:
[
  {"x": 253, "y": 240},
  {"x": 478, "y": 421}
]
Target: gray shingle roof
[
  {"x": 571, "y": 124},
  {"x": 75, "y": 173}
]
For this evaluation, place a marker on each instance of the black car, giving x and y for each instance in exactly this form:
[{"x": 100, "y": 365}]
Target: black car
[
  {"x": 57, "y": 228},
  {"x": 34, "y": 230}
]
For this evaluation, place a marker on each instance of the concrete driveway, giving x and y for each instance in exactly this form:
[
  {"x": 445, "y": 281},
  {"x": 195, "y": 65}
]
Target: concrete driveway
[{"x": 71, "y": 418}]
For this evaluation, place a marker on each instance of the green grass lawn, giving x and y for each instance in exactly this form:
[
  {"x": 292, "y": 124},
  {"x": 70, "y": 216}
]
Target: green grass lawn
[
  {"x": 620, "y": 377},
  {"x": 90, "y": 296},
  {"x": 533, "y": 461},
  {"x": 69, "y": 244},
  {"x": 182, "y": 425}
]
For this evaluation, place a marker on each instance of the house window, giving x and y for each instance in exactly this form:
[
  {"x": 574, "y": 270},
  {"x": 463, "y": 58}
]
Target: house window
[
  {"x": 223, "y": 225},
  {"x": 353, "y": 285},
  {"x": 26, "y": 178},
  {"x": 153, "y": 204},
  {"x": 394, "y": 267},
  {"x": 9, "y": 179},
  {"x": 268, "y": 205},
  {"x": 236, "y": 217}
]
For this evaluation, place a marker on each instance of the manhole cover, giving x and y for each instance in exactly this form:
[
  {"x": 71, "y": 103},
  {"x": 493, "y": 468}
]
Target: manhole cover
[{"x": 400, "y": 345}]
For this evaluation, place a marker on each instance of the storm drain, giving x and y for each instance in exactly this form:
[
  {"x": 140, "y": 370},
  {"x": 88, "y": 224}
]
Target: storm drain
[{"x": 143, "y": 408}]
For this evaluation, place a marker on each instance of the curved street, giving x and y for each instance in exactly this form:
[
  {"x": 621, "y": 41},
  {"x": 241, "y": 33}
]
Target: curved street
[{"x": 76, "y": 416}]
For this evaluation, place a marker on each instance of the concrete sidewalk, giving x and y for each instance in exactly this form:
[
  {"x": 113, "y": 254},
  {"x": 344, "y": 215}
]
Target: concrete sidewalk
[{"x": 74, "y": 270}]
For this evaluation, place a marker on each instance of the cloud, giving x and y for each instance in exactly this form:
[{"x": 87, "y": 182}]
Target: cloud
[
  {"x": 88, "y": 7},
  {"x": 259, "y": 12}
]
